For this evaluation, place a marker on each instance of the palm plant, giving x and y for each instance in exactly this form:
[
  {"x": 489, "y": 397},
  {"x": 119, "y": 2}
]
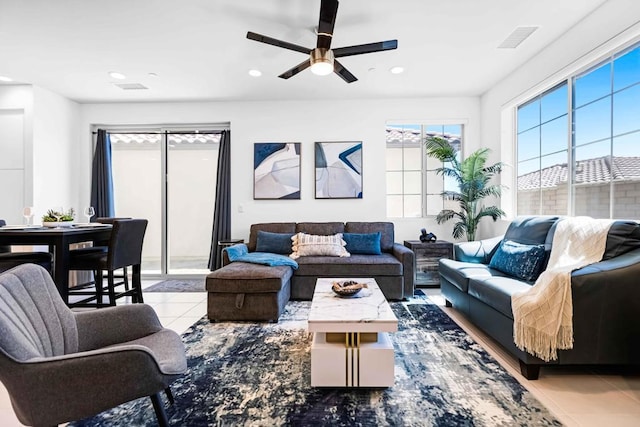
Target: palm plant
[{"x": 473, "y": 177}]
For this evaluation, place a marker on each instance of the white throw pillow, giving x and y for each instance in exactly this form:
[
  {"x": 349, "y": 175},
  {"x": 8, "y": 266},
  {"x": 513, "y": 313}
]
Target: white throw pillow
[{"x": 309, "y": 244}]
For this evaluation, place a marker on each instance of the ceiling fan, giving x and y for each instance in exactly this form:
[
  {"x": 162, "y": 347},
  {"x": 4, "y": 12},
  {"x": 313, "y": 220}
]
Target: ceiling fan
[{"x": 322, "y": 59}]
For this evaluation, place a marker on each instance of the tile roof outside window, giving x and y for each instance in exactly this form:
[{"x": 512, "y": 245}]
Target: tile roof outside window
[
  {"x": 154, "y": 138},
  {"x": 590, "y": 171}
]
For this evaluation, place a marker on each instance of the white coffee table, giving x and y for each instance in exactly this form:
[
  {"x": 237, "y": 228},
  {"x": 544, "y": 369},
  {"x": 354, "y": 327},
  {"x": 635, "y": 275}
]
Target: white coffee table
[{"x": 351, "y": 347}]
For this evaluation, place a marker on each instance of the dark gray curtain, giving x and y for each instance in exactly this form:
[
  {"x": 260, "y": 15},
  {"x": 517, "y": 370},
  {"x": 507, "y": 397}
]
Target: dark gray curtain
[
  {"x": 222, "y": 209},
  {"x": 101, "y": 177}
]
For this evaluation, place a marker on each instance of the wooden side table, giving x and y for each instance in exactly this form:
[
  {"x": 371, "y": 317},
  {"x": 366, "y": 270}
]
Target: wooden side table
[{"x": 427, "y": 255}]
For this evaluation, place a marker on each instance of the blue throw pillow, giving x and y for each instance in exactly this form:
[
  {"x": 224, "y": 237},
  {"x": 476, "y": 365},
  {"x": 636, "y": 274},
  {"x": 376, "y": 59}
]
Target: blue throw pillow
[
  {"x": 363, "y": 244},
  {"x": 518, "y": 260},
  {"x": 275, "y": 243}
]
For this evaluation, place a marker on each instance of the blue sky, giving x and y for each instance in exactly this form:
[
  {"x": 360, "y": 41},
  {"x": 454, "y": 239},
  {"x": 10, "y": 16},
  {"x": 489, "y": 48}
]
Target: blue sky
[{"x": 606, "y": 102}]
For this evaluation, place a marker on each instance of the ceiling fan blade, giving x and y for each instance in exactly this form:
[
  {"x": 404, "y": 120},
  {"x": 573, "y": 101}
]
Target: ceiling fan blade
[
  {"x": 279, "y": 43},
  {"x": 365, "y": 48},
  {"x": 345, "y": 74},
  {"x": 328, "y": 12},
  {"x": 295, "y": 70}
]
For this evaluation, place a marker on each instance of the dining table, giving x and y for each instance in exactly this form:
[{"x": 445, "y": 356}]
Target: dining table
[{"x": 58, "y": 240}]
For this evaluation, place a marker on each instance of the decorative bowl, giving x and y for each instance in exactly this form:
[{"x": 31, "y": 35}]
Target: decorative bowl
[
  {"x": 54, "y": 224},
  {"x": 347, "y": 288}
]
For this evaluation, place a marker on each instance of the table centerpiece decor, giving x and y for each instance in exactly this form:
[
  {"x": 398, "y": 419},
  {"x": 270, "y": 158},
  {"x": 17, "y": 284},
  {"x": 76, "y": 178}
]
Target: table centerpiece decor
[{"x": 58, "y": 218}]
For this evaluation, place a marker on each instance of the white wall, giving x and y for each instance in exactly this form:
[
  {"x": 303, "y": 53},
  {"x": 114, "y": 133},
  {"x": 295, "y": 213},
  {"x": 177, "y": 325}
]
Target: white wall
[
  {"x": 294, "y": 121},
  {"x": 55, "y": 158},
  {"x": 43, "y": 157},
  {"x": 616, "y": 23},
  {"x": 16, "y": 118}
]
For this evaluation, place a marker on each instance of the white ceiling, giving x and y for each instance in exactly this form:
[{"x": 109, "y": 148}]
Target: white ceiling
[{"x": 199, "y": 50}]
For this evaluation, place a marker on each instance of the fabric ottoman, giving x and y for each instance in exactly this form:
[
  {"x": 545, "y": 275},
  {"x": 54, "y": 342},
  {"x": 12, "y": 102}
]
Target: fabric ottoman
[{"x": 245, "y": 291}]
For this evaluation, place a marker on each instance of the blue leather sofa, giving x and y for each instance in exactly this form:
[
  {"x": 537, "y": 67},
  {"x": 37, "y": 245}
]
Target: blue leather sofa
[{"x": 605, "y": 295}]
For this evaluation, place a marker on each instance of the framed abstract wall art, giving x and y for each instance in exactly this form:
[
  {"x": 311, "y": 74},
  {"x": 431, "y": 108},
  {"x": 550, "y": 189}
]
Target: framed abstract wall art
[
  {"x": 276, "y": 170},
  {"x": 338, "y": 170}
]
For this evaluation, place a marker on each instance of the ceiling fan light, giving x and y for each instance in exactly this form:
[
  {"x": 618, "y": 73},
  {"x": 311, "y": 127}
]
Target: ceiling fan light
[
  {"x": 321, "y": 61},
  {"x": 322, "y": 68}
]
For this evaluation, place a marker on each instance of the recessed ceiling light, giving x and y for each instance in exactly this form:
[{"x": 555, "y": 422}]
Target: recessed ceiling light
[
  {"x": 152, "y": 75},
  {"x": 5, "y": 79},
  {"x": 117, "y": 75},
  {"x": 255, "y": 73},
  {"x": 396, "y": 70}
]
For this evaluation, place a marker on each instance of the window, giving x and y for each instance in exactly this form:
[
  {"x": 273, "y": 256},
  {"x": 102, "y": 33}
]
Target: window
[
  {"x": 595, "y": 169},
  {"x": 543, "y": 130},
  {"x": 606, "y": 140},
  {"x": 413, "y": 187}
]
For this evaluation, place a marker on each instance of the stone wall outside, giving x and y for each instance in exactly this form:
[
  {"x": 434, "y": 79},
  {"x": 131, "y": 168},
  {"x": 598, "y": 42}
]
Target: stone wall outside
[{"x": 591, "y": 200}]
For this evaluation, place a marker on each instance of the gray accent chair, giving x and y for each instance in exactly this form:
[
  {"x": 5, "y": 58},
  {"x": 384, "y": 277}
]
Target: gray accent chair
[{"x": 59, "y": 365}]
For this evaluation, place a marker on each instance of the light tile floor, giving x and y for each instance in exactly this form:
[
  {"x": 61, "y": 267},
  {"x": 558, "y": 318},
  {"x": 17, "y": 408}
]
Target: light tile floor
[{"x": 578, "y": 397}]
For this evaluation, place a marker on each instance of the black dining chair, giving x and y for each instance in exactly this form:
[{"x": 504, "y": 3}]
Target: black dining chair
[
  {"x": 101, "y": 247},
  {"x": 123, "y": 250},
  {"x": 9, "y": 259}
]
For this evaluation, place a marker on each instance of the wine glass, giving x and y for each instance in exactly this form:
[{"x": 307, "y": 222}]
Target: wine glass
[
  {"x": 89, "y": 212},
  {"x": 27, "y": 213}
]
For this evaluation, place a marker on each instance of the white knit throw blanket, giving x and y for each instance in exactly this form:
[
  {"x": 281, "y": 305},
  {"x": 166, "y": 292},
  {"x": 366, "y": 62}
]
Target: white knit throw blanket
[{"x": 543, "y": 315}]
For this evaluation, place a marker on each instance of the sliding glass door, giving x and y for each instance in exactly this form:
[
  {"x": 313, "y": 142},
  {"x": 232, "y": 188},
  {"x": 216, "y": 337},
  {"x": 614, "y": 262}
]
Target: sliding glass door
[
  {"x": 192, "y": 161},
  {"x": 168, "y": 177}
]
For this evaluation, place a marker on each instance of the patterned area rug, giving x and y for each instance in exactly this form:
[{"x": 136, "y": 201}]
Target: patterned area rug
[
  {"x": 177, "y": 286},
  {"x": 250, "y": 374}
]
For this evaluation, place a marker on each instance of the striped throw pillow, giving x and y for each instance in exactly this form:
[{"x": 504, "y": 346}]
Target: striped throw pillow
[{"x": 310, "y": 244}]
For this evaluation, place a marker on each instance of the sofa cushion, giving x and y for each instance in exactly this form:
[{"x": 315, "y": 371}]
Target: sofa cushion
[
  {"x": 320, "y": 228},
  {"x": 458, "y": 273},
  {"x": 496, "y": 292},
  {"x": 273, "y": 227},
  {"x": 521, "y": 261},
  {"x": 387, "y": 237},
  {"x": 362, "y": 243},
  {"x": 276, "y": 243},
  {"x": 242, "y": 277},
  {"x": 311, "y": 244},
  {"x": 530, "y": 230},
  {"x": 354, "y": 266},
  {"x": 478, "y": 251},
  {"x": 623, "y": 237}
]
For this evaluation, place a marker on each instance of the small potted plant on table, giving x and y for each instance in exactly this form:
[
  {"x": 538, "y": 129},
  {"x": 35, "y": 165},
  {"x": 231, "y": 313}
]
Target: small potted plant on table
[{"x": 57, "y": 217}]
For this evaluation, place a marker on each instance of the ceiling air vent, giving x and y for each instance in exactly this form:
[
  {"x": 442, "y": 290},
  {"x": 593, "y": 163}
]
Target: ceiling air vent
[
  {"x": 131, "y": 86},
  {"x": 518, "y": 35}
]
